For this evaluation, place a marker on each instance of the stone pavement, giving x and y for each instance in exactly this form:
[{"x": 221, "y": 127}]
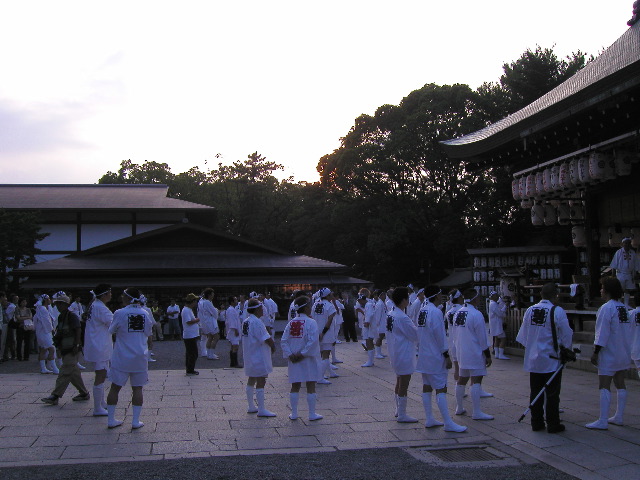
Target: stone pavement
[{"x": 205, "y": 416}]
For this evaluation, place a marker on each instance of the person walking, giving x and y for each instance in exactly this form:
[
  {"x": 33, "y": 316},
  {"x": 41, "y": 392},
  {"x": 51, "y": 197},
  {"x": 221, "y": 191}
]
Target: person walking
[{"x": 190, "y": 333}]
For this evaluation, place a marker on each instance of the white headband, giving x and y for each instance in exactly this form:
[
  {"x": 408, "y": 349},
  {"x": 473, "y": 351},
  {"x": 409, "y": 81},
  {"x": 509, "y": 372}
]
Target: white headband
[
  {"x": 472, "y": 298},
  {"x": 253, "y": 307},
  {"x": 96, "y": 295},
  {"x": 455, "y": 295},
  {"x": 133, "y": 299},
  {"x": 437, "y": 293}
]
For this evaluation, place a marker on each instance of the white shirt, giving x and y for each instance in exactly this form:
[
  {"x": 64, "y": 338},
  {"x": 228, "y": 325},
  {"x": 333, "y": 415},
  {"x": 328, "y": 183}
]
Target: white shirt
[
  {"x": 131, "y": 325},
  {"x": 414, "y": 309},
  {"x": 359, "y": 309},
  {"x": 173, "y": 312},
  {"x": 370, "y": 315},
  {"x": 471, "y": 337},
  {"x": 233, "y": 321},
  {"x": 98, "y": 345},
  {"x": 321, "y": 311},
  {"x": 432, "y": 340},
  {"x": 449, "y": 316},
  {"x": 208, "y": 315},
  {"x": 78, "y": 309},
  {"x": 536, "y": 337},
  {"x": 301, "y": 335},
  {"x": 497, "y": 314},
  {"x": 189, "y": 331},
  {"x": 634, "y": 315},
  {"x": 272, "y": 306},
  {"x": 402, "y": 342},
  {"x": 381, "y": 316},
  {"x": 256, "y": 353},
  {"x": 42, "y": 320},
  {"x": 625, "y": 262},
  {"x": 614, "y": 334}
]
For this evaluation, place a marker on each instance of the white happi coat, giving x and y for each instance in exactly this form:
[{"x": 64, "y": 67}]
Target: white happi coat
[
  {"x": 402, "y": 337},
  {"x": 536, "y": 337},
  {"x": 233, "y": 322},
  {"x": 381, "y": 316},
  {"x": 338, "y": 319},
  {"x": 625, "y": 262},
  {"x": 208, "y": 315},
  {"x": 98, "y": 344},
  {"x": 414, "y": 309},
  {"x": 301, "y": 336},
  {"x": 497, "y": 315},
  {"x": 470, "y": 337},
  {"x": 432, "y": 340},
  {"x": 43, "y": 324},
  {"x": 634, "y": 315},
  {"x": 321, "y": 312},
  {"x": 131, "y": 325},
  {"x": 370, "y": 318},
  {"x": 449, "y": 316},
  {"x": 614, "y": 333},
  {"x": 256, "y": 353}
]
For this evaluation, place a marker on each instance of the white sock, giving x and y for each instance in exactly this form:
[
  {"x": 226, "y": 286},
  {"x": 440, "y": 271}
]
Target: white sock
[
  {"x": 621, "y": 403},
  {"x": 111, "y": 419},
  {"x": 371, "y": 353},
  {"x": 251, "y": 405},
  {"x": 605, "y": 402},
  {"x": 333, "y": 353},
  {"x": 98, "y": 398},
  {"x": 53, "y": 367},
  {"x": 43, "y": 366},
  {"x": 449, "y": 424},
  {"x": 460, "y": 398},
  {"x": 311, "y": 402},
  {"x": 136, "y": 423},
  {"x": 293, "y": 399}
]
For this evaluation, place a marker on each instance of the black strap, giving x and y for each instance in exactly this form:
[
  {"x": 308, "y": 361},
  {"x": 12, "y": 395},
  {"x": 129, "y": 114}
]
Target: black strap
[{"x": 553, "y": 329}]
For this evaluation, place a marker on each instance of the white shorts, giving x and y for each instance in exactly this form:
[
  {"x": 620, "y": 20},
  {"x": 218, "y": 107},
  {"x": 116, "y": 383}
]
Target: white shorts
[
  {"x": 325, "y": 346},
  {"x": 138, "y": 379},
  {"x": 367, "y": 333},
  {"x": 102, "y": 365},
  {"x": 473, "y": 372},
  {"x": 437, "y": 381},
  {"x": 626, "y": 280},
  {"x": 45, "y": 340},
  {"x": 234, "y": 340}
]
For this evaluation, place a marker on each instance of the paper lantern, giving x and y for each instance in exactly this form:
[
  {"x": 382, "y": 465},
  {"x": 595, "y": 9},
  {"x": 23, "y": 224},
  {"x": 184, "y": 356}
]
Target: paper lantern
[
  {"x": 512, "y": 260},
  {"x": 546, "y": 180},
  {"x": 539, "y": 185},
  {"x": 476, "y": 262},
  {"x": 530, "y": 186},
  {"x": 623, "y": 162},
  {"x": 483, "y": 276},
  {"x": 543, "y": 274},
  {"x": 564, "y": 214},
  {"x": 583, "y": 170},
  {"x": 550, "y": 216},
  {"x": 508, "y": 287},
  {"x": 504, "y": 261},
  {"x": 565, "y": 177},
  {"x": 491, "y": 262},
  {"x": 597, "y": 162},
  {"x": 483, "y": 262},
  {"x": 476, "y": 277},
  {"x": 578, "y": 236},
  {"x": 515, "y": 188},
  {"x": 609, "y": 167},
  {"x": 574, "y": 172},
  {"x": 523, "y": 187},
  {"x": 490, "y": 275},
  {"x": 555, "y": 178},
  {"x": 556, "y": 259},
  {"x": 537, "y": 215}
]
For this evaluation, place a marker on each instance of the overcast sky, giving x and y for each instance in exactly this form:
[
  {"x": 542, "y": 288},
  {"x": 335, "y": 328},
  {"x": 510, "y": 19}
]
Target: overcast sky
[{"x": 84, "y": 85}]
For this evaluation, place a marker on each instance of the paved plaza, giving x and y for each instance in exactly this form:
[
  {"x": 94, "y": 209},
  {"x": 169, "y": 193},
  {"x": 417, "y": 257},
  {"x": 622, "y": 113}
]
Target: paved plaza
[{"x": 205, "y": 417}]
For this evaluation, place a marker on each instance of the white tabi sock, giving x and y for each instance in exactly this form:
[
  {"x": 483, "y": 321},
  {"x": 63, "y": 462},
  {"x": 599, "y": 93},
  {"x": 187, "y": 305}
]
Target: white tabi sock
[
  {"x": 428, "y": 411},
  {"x": 311, "y": 402},
  {"x": 402, "y": 412},
  {"x": 251, "y": 405},
  {"x": 449, "y": 424},
  {"x": 43, "y": 367},
  {"x": 53, "y": 367},
  {"x": 136, "y": 423},
  {"x": 333, "y": 353},
  {"x": 605, "y": 401},
  {"x": 98, "y": 400},
  {"x": 478, "y": 414},
  {"x": 111, "y": 421},
  {"x": 262, "y": 412},
  {"x": 293, "y": 400},
  {"x": 617, "y": 419}
]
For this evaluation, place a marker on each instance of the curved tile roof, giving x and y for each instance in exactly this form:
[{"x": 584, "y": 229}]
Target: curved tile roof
[{"x": 624, "y": 52}]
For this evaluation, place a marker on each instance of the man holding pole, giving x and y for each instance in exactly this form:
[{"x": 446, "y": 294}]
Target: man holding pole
[{"x": 542, "y": 357}]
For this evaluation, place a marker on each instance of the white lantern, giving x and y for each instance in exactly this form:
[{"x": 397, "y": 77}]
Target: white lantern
[
  {"x": 512, "y": 260},
  {"x": 537, "y": 215},
  {"x": 504, "y": 261},
  {"x": 521, "y": 260},
  {"x": 490, "y": 276},
  {"x": 483, "y": 262},
  {"x": 565, "y": 177},
  {"x": 574, "y": 172},
  {"x": 609, "y": 167},
  {"x": 543, "y": 274},
  {"x": 555, "y": 178},
  {"x": 546, "y": 180},
  {"x": 623, "y": 162},
  {"x": 533, "y": 260},
  {"x": 539, "y": 185},
  {"x": 549, "y": 259},
  {"x": 530, "y": 186},
  {"x": 476, "y": 262},
  {"x": 583, "y": 170},
  {"x": 549, "y": 215},
  {"x": 490, "y": 262},
  {"x": 597, "y": 162},
  {"x": 508, "y": 287},
  {"x": 551, "y": 273},
  {"x": 526, "y": 203},
  {"x": 515, "y": 189},
  {"x": 615, "y": 238},
  {"x": 483, "y": 276},
  {"x": 564, "y": 214},
  {"x": 523, "y": 187},
  {"x": 578, "y": 236},
  {"x": 556, "y": 259},
  {"x": 576, "y": 212},
  {"x": 484, "y": 291},
  {"x": 476, "y": 277}
]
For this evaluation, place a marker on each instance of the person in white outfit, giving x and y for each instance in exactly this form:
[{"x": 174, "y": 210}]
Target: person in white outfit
[
  {"x": 369, "y": 327},
  {"x": 271, "y": 309},
  {"x": 626, "y": 263},
  {"x": 301, "y": 346},
  {"x": 98, "y": 345},
  {"x": 380, "y": 312},
  {"x": 208, "y": 315},
  {"x": 635, "y": 345},
  {"x": 257, "y": 348},
  {"x": 434, "y": 360},
  {"x": 472, "y": 349},
  {"x": 43, "y": 323},
  {"x": 338, "y": 320},
  {"x": 323, "y": 312},
  {"x": 456, "y": 300},
  {"x": 542, "y": 357},
  {"x": 233, "y": 325},
  {"x": 497, "y": 319},
  {"x": 612, "y": 351},
  {"x": 131, "y": 326},
  {"x": 190, "y": 333},
  {"x": 414, "y": 308},
  {"x": 402, "y": 338}
]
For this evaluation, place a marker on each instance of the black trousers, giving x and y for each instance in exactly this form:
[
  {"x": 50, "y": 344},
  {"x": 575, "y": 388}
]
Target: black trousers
[
  {"x": 349, "y": 330},
  {"x": 23, "y": 343},
  {"x": 536, "y": 382},
  {"x": 191, "y": 353}
]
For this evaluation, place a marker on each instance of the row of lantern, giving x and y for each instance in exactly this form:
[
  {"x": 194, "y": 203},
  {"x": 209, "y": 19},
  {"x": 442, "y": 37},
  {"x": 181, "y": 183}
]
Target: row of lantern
[
  {"x": 557, "y": 212},
  {"x": 516, "y": 260},
  {"x": 596, "y": 167},
  {"x": 484, "y": 290},
  {"x": 615, "y": 238},
  {"x": 543, "y": 273}
]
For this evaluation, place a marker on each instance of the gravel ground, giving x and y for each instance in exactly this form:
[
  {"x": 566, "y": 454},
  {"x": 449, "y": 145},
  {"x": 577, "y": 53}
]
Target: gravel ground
[{"x": 385, "y": 464}]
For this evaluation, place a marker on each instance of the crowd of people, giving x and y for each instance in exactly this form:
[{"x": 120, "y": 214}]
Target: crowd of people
[{"x": 425, "y": 331}]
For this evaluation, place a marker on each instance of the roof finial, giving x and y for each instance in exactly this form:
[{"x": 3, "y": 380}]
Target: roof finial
[{"x": 636, "y": 13}]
